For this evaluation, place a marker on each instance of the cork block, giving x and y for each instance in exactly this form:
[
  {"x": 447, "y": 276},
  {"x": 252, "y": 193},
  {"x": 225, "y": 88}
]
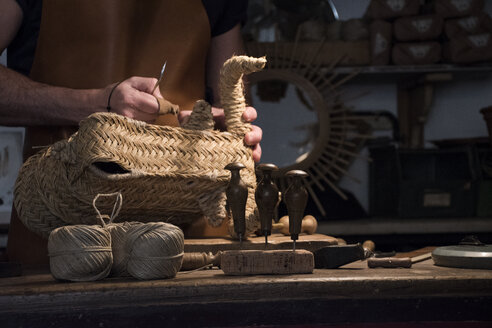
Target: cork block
[{"x": 250, "y": 262}]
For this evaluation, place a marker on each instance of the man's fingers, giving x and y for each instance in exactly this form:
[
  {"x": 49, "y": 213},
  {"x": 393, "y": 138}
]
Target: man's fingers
[
  {"x": 254, "y": 136},
  {"x": 158, "y": 93},
  {"x": 134, "y": 93},
  {"x": 257, "y": 153},
  {"x": 144, "y": 84},
  {"x": 147, "y": 103},
  {"x": 184, "y": 116},
  {"x": 250, "y": 114}
]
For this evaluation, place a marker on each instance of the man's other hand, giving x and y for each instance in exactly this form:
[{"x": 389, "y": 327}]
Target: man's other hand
[{"x": 251, "y": 138}]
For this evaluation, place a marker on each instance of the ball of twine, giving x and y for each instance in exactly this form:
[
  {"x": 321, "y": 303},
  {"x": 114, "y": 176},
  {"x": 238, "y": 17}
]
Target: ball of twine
[
  {"x": 154, "y": 250},
  {"x": 119, "y": 233},
  {"x": 83, "y": 252},
  {"x": 80, "y": 253}
]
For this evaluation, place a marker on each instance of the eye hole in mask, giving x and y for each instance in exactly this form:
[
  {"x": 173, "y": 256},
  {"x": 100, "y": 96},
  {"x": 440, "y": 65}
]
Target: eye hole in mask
[{"x": 110, "y": 168}]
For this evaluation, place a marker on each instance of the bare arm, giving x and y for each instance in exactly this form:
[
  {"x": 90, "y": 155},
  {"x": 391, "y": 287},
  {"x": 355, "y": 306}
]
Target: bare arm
[
  {"x": 25, "y": 102},
  {"x": 222, "y": 47}
]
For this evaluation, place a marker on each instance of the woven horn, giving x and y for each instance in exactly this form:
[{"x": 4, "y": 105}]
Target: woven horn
[{"x": 232, "y": 90}]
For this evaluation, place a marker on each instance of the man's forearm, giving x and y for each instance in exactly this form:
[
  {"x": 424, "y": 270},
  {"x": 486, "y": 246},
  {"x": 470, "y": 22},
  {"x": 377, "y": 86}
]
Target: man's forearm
[{"x": 24, "y": 102}]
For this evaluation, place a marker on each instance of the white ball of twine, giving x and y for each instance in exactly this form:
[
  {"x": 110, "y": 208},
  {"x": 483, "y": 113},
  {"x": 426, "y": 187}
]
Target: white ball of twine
[
  {"x": 83, "y": 252},
  {"x": 119, "y": 233},
  {"x": 80, "y": 253},
  {"x": 154, "y": 250}
]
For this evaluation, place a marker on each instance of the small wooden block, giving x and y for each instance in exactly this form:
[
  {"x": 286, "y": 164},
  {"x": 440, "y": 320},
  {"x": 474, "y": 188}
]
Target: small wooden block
[{"x": 249, "y": 262}]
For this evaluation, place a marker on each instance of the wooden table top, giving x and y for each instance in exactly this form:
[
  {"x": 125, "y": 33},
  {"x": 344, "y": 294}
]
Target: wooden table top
[
  {"x": 352, "y": 293},
  {"x": 354, "y": 278}
]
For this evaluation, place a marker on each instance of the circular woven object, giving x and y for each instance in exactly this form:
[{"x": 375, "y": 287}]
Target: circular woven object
[{"x": 172, "y": 174}]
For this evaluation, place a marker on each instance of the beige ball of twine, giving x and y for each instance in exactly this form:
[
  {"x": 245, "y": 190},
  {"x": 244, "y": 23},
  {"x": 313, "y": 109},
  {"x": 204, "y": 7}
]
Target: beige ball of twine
[
  {"x": 90, "y": 252},
  {"x": 119, "y": 233},
  {"x": 83, "y": 252},
  {"x": 155, "y": 250},
  {"x": 80, "y": 253}
]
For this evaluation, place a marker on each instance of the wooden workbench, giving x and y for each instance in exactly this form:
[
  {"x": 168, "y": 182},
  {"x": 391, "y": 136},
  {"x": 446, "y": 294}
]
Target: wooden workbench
[{"x": 351, "y": 294}]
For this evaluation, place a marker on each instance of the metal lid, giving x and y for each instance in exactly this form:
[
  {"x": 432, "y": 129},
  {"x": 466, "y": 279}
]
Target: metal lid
[{"x": 464, "y": 256}]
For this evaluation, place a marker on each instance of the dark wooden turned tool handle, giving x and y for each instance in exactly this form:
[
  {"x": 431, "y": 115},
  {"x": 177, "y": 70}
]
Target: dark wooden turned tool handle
[
  {"x": 389, "y": 262},
  {"x": 168, "y": 113},
  {"x": 295, "y": 198},
  {"x": 266, "y": 197},
  {"x": 237, "y": 196}
]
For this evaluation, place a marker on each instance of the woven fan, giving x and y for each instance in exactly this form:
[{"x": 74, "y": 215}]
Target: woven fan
[{"x": 338, "y": 139}]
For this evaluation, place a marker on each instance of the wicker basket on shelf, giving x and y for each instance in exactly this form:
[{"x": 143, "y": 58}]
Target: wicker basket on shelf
[{"x": 173, "y": 174}]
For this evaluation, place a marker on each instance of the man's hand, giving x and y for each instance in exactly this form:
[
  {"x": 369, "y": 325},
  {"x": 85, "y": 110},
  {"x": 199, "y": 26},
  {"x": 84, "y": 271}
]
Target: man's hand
[
  {"x": 132, "y": 98},
  {"x": 252, "y": 138}
]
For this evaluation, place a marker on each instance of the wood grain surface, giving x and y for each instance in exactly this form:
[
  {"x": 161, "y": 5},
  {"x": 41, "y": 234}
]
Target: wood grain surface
[
  {"x": 350, "y": 294},
  {"x": 275, "y": 241}
]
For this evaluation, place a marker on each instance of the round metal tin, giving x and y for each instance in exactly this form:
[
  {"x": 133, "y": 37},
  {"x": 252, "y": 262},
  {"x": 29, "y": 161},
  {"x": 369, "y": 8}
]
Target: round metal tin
[{"x": 464, "y": 256}]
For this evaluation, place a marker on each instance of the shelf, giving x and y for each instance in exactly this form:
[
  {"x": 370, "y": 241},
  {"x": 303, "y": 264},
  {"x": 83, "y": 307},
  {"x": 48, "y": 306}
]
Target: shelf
[
  {"x": 399, "y": 226},
  {"x": 393, "y": 73},
  {"x": 416, "y": 69}
]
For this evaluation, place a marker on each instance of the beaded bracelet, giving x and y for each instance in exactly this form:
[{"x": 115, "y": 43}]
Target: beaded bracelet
[{"x": 108, "y": 108}]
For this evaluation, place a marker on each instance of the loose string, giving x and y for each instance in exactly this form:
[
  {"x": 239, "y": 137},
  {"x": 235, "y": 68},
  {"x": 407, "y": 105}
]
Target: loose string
[
  {"x": 116, "y": 208},
  {"x": 206, "y": 266},
  {"x": 158, "y": 257}
]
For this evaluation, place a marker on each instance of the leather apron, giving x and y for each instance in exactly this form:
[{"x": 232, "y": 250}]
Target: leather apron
[{"x": 111, "y": 41}]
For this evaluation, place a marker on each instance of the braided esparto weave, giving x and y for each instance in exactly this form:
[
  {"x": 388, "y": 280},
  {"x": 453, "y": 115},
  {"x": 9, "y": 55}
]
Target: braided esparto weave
[{"x": 173, "y": 174}]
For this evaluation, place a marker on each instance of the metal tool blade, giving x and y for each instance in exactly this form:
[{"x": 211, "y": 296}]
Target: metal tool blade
[{"x": 160, "y": 76}]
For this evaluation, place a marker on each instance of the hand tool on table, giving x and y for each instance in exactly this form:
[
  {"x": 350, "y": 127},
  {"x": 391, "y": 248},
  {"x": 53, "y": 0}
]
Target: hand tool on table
[
  {"x": 266, "y": 197},
  {"x": 199, "y": 260},
  {"x": 160, "y": 77},
  {"x": 370, "y": 250},
  {"x": 332, "y": 257},
  {"x": 237, "y": 195},
  {"x": 396, "y": 262},
  {"x": 296, "y": 200}
]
